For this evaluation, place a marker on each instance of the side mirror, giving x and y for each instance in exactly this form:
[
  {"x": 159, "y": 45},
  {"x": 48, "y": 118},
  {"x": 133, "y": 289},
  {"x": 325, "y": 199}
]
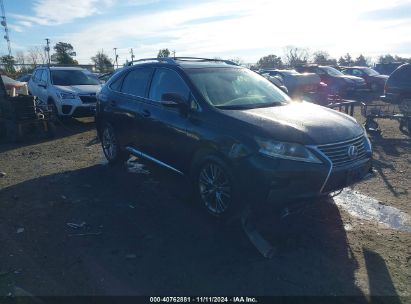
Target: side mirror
[
  {"x": 175, "y": 100},
  {"x": 172, "y": 98}
]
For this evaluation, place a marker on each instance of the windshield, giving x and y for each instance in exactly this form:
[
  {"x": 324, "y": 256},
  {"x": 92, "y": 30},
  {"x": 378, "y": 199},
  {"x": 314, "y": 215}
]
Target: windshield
[
  {"x": 370, "y": 72},
  {"x": 236, "y": 88},
  {"x": 331, "y": 71},
  {"x": 73, "y": 77}
]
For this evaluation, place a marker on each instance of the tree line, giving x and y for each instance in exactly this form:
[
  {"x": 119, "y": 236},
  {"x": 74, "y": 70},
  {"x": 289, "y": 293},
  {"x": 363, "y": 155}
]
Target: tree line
[
  {"x": 63, "y": 54},
  {"x": 292, "y": 56}
]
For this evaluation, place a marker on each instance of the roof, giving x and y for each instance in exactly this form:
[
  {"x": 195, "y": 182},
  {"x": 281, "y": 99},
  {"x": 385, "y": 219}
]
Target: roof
[{"x": 187, "y": 62}]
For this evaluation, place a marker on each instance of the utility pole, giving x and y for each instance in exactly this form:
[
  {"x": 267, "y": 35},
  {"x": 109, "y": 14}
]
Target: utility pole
[
  {"x": 6, "y": 29},
  {"x": 116, "y": 57},
  {"x": 174, "y": 54},
  {"x": 47, "y": 49},
  {"x": 132, "y": 54}
]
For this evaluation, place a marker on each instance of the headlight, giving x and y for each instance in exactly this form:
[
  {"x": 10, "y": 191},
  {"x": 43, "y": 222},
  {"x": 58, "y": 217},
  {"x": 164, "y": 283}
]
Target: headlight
[
  {"x": 64, "y": 95},
  {"x": 284, "y": 150}
]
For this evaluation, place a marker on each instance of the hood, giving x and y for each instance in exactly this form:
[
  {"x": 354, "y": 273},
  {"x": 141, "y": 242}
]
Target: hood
[
  {"x": 303, "y": 123},
  {"x": 354, "y": 78},
  {"x": 80, "y": 89}
]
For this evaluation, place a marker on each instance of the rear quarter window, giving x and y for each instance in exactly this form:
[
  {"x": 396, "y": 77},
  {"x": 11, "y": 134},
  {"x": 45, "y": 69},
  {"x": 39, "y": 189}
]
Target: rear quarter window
[{"x": 136, "y": 82}]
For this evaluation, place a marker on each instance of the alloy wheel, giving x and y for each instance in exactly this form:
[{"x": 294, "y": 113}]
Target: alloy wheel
[
  {"x": 109, "y": 143},
  {"x": 215, "y": 188}
]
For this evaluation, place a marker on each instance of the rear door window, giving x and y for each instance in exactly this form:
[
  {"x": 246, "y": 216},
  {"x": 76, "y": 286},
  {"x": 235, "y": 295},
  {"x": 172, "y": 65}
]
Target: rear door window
[{"x": 136, "y": 82}]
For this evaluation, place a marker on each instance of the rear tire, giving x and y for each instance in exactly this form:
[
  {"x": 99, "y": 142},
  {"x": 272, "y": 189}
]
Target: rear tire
[{"x": 111, "y": 145}]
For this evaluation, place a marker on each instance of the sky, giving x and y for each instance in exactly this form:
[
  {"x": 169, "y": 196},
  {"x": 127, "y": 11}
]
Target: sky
[{"x": 212, "y": 28}]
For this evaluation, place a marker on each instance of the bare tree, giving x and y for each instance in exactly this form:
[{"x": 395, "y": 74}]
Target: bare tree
[
  {"x": 37, "y": 55},
  {"x": 294, "y": 56}
]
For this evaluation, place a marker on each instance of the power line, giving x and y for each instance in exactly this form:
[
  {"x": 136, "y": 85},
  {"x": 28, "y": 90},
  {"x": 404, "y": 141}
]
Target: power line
[
  {"x": 47, "y": 49},
  {"x": 6, "y": 30},
  {"x": 116, "y": 57}
]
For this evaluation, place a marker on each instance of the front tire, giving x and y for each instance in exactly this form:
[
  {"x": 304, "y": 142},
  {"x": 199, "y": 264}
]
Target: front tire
[
  {"x": 111, "y": 146},
  {"x": 216, "y": 188}
]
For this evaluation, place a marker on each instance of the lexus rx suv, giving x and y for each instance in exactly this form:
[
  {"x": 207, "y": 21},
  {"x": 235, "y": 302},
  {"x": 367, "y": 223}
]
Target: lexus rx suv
[
  {"x": 70, "y": 91},
  {"x": 230, "y": 131}
]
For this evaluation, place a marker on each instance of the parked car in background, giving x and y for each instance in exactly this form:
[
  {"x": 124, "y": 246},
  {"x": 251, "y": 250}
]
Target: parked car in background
[
  {"x": 398, "y": 88},
  {"x": 276, "y": 80},
  {"x": 70, "y": 91},
  {"x": 230, "y": 131},
  {"x": 24, "y": 78},
  {"x": 374, "y": 80},
  {"x": 301, "y": 85},
  {"x": 337, "y": 82}
]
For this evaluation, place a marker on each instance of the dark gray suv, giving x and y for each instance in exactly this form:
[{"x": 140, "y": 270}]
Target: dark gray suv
[{"x": 232, "y": 133}]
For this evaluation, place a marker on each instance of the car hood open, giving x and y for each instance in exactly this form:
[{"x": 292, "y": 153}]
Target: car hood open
[{"x": 303, "y": 123}]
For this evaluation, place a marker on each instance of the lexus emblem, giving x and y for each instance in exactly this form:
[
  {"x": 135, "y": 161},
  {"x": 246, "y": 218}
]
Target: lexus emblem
[{"x": 352, "y": 152}]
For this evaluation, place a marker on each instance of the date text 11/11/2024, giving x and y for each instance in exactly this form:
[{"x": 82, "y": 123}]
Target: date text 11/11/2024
[{"x": 203, "y": 300}]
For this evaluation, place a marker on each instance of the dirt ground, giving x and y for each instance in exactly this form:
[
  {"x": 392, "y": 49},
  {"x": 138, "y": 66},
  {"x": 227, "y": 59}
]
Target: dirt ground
[{"x": 139, "y": 233}]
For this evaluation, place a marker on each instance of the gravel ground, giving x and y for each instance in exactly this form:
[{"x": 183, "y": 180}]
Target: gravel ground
[{"x": 138, "y": 233}]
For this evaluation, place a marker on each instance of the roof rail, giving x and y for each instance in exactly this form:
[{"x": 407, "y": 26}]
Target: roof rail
[
  {"x": 198, "y": 59},
  {"x": 165, "y": 59},
  {"x": 172, "y": 60}
]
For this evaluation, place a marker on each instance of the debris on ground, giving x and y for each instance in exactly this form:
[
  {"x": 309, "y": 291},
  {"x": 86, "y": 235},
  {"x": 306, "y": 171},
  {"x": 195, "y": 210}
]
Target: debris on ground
[
  {"x": 255, "y": 236},
  {"x": 131, "y": 256},
  {"x": 20, "y": 230},
  {"x": 2, "y": 174},
  {"x": 76, "y": 226}
]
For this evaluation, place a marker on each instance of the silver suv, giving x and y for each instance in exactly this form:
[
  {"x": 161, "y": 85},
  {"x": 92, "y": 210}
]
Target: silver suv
[{"x": 71, "y": 91}]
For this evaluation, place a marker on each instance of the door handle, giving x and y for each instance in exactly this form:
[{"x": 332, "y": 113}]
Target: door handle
[{"x": 146, "y": 113}]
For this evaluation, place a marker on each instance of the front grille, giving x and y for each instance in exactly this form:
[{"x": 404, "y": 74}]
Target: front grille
[
  {"x": 88, "y": 99},
  {"x": 338, "y": 152}
]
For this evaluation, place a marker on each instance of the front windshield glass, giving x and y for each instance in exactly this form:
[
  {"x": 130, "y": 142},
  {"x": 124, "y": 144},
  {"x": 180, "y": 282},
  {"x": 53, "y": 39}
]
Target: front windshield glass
[
  {"x": 73, "y": 77},
  {"x": 236, "y": 88},
  {"x": 370, "y": 72},
  {"x": 331, "y": 71}
]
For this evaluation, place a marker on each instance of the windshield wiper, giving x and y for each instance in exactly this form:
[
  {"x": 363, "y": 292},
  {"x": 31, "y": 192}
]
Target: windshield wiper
[{"x": 249, "y": 106}]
